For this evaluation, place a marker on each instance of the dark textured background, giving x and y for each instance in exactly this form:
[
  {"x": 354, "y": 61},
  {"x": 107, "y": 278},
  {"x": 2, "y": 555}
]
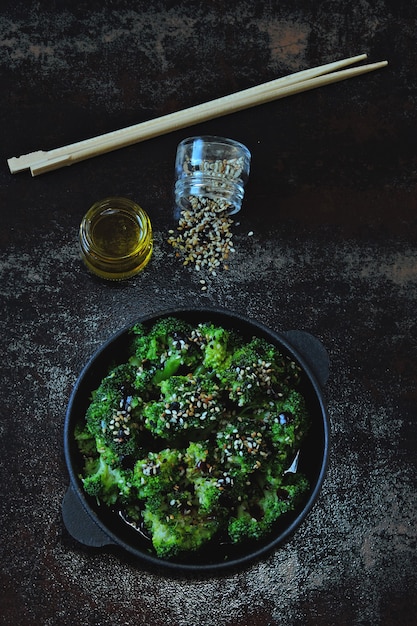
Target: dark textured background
[{"x": 331, "y": 201}]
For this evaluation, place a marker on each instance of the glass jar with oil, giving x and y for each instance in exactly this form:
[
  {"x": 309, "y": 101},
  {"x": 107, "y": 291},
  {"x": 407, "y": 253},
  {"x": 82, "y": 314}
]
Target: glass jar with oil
[{"x": 115, "y": 238}]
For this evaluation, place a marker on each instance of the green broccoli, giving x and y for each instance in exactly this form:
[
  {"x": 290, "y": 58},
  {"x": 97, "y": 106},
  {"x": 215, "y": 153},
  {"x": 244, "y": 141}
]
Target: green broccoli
[
  {"x": 281, "y": 494},
  {"x": 203, "y": 475},
  {"x": 208, "y": 491},
  {"x": 196, "y": 455},
  {"x": 290, "y": 420},
  {"x": 164, "y": 348},
  {"x": 174, "y": 531},
  {"x": 139, "y": 344},
  {"x": 242, "y": 449},
  {"x": 257, "y": 371},
  {"x": 160, "y": 478},
  {"x": 276, "y": 495},
  {"x": 243, "y": 526},
  {"x": 143, "y": 382},
  {"x": 171, "y": 509},
  {"x": 217, "y": 345},
  {"x": 106, "y": 482},
  {"x": 113, "y": 414},
  {"x": 158, "y": 473},
  {"x": 287, "y": 421},
  {"x": 186, "y": 404}
]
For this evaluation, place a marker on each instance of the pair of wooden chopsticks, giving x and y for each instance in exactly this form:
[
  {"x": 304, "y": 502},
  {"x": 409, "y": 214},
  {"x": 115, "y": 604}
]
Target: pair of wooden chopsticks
[{"x": 41, "y": 161}]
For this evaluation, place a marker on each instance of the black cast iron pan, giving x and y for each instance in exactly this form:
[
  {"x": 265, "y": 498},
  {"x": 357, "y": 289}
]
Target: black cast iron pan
[{"x": 95, "y": 526}]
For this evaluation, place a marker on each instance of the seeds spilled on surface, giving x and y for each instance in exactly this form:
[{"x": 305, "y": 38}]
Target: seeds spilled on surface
[{"x": 204, "y": 237}]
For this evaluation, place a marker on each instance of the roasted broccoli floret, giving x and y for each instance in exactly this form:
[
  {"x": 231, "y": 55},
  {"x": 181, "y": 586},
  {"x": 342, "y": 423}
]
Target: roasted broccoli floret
[
  {"x": 256, "y": 371},
  {"x": 156, "y": 474},
  {"x": 143, "y": 382},
  {"x": 105, "y": 480},
  {"x": 208, "y": 482},
  {"x": 196, "y": 455},
  {"x": 242, "y": 449},
  {"x": 186, "y": 404},
  {"x": 113, "y": 415},
  {"x": 244, "y": 526},
  {"x": 174, "y": 530},
  {"x": 287, "y": 422},
  {"x": 290, "y": 420},
  {"x": 164, "y": 348},
  {"x": 208, "y": 491},
  {"x": 171, "y": 508},
  {"x": 275, "y": 495},
  {"x": 217, "y": 345},
  {"x": 281, "y": 494}
]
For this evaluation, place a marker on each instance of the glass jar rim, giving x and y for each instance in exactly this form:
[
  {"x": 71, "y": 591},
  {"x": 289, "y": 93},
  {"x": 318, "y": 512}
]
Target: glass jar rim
[
  {"x": 114, "y": 204},
  {"x": 112, "y": 265},
  {"x": 216, "y": 139}
]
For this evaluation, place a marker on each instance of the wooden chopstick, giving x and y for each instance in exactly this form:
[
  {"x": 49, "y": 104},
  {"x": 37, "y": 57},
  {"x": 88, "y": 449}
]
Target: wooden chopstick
[{"x": 40, "y": 162}]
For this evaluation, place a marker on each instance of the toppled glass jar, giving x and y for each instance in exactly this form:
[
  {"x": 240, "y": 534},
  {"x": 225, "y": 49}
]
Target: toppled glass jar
[
  {"x": 115, "y": 238},
  {"x": 211, "y": 171}
]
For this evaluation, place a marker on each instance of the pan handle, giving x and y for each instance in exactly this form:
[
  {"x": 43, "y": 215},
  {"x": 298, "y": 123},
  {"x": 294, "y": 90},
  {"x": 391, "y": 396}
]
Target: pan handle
[
  {"x": 313, "y": 351},
  {"x": 79, "y": 523}
]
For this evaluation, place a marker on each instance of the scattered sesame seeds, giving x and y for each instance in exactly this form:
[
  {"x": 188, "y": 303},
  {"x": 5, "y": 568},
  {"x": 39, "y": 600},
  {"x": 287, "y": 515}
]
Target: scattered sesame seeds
[
  {"x": 118, "y": 424},
  {"x": 204, "y": 236}
]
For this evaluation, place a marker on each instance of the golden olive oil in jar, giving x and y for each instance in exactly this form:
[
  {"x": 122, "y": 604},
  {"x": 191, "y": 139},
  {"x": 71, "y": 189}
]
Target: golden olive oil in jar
[{"x": 116, "y": 238}]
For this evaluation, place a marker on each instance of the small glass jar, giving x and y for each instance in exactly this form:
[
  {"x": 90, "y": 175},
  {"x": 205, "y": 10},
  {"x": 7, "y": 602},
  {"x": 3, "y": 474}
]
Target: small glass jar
[
  {"x": 115, "y": 238},
  {"x": 211, "y": 170}
]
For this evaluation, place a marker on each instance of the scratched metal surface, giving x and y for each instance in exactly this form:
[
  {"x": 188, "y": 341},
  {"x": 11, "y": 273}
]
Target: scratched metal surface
[{"x": 331, "y": 203}]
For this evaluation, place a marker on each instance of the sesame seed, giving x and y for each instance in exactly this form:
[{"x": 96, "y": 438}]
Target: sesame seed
[{"x": 203, "y": 235}]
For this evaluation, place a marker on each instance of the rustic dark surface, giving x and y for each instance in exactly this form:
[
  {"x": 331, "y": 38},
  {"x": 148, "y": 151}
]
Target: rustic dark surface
[{"x": 331, "y": 201}]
